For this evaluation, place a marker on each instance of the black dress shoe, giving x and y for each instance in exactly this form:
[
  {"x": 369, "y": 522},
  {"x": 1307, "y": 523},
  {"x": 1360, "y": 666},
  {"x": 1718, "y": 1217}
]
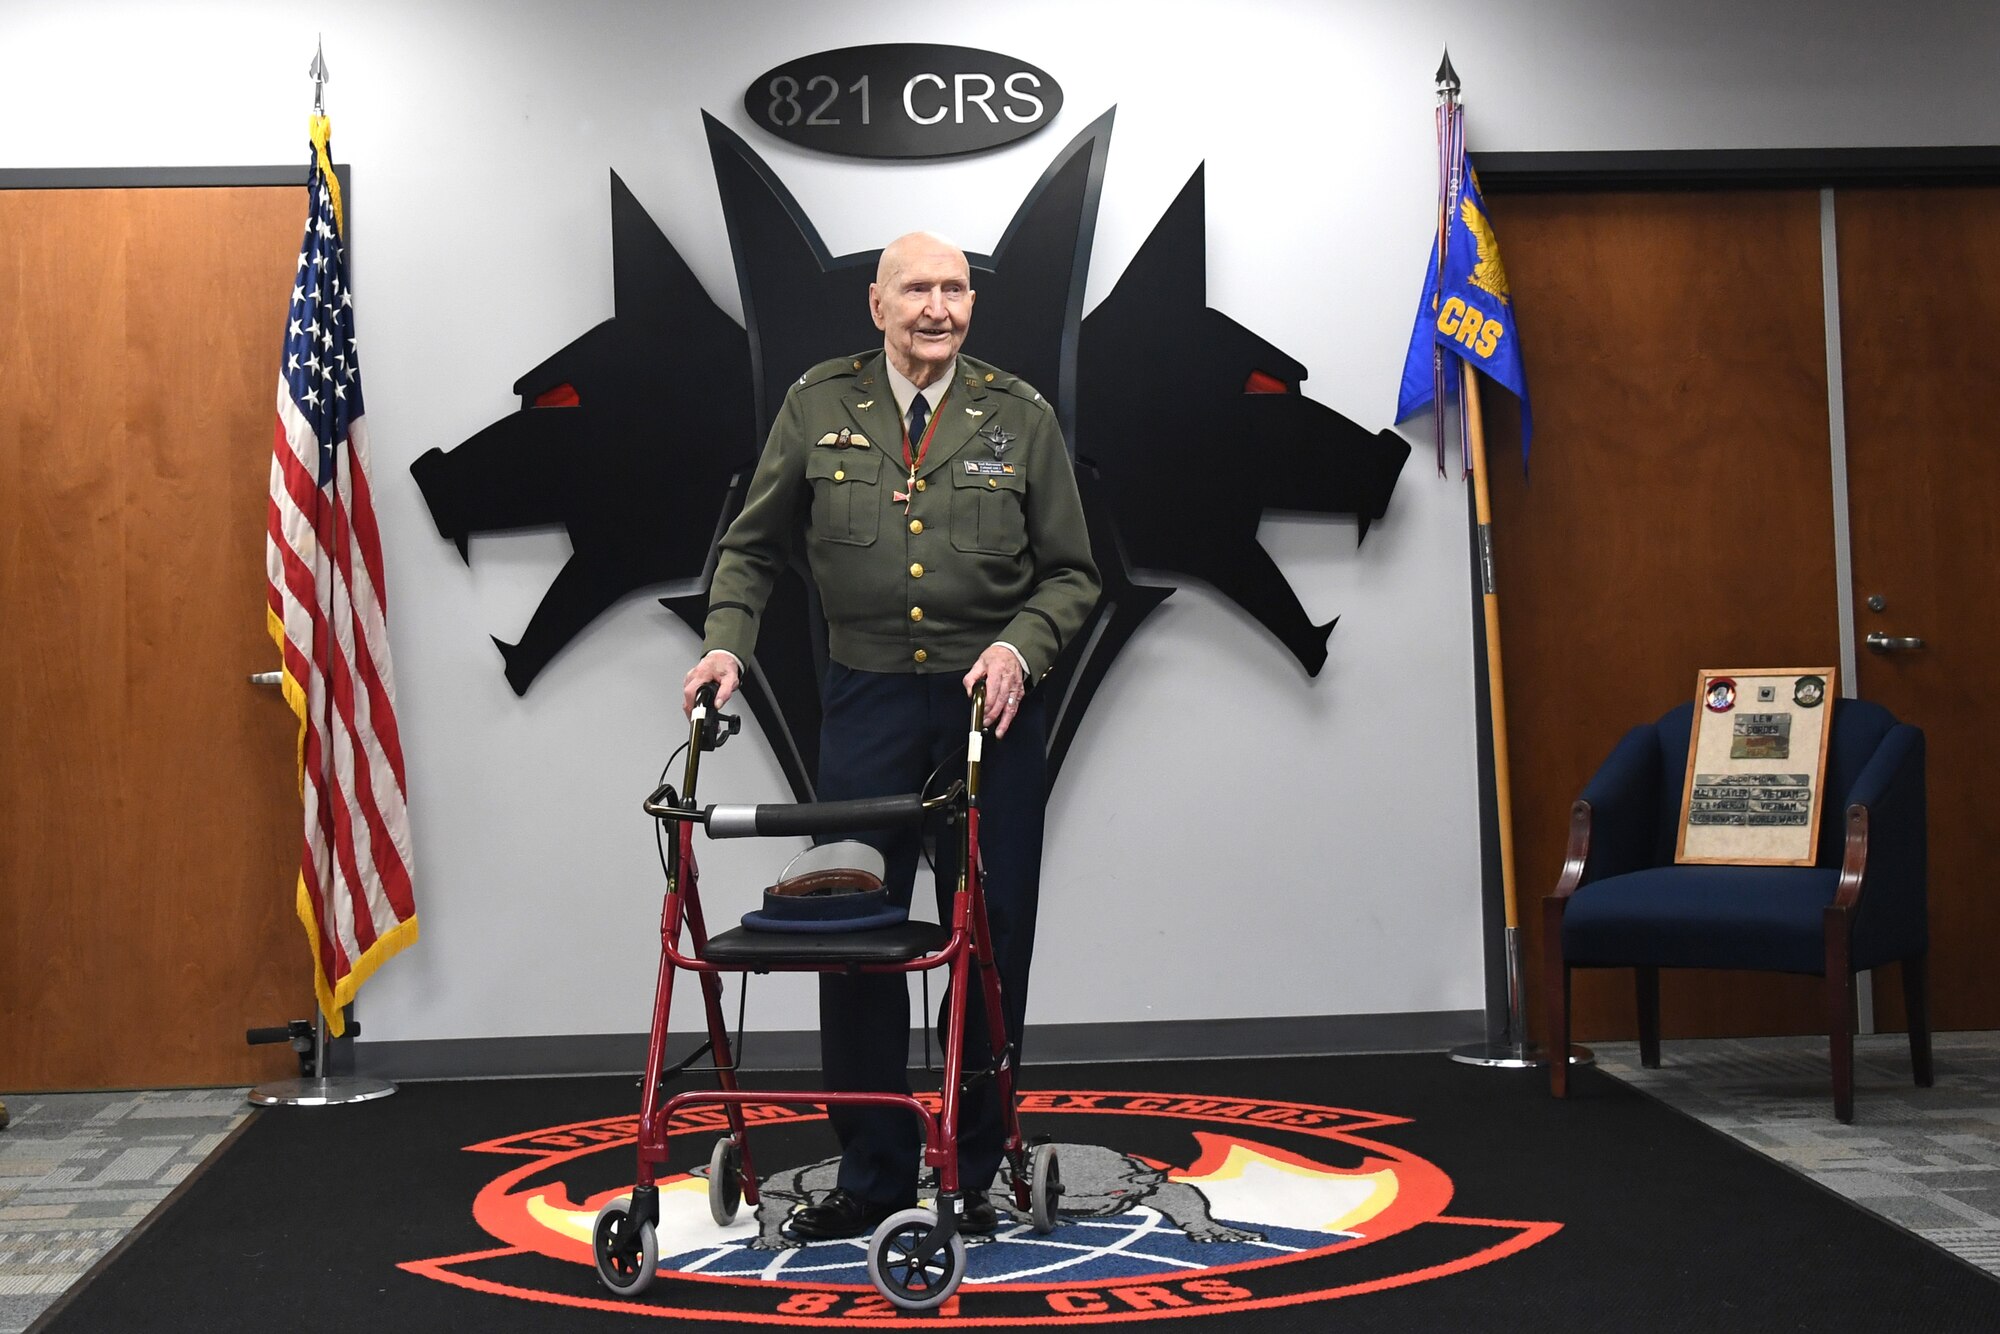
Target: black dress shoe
[
  {"x": 839, "y": 1213},
  {"x": 980, "y": 1218}
]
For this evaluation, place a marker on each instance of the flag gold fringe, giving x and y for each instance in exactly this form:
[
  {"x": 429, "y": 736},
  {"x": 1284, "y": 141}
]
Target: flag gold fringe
[
  {"x": 332, "y": 999},
  {"x": 321, "y": 131},
  {"x": 295, "y": 694}
]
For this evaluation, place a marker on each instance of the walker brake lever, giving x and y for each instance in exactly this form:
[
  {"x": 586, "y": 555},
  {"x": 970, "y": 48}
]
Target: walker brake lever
[{"x": 722, "y": 726}]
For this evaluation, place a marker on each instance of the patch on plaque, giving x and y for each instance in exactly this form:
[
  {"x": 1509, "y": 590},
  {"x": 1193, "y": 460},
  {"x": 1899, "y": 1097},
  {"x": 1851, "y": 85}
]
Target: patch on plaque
[{"x": 1761, "y": 736}]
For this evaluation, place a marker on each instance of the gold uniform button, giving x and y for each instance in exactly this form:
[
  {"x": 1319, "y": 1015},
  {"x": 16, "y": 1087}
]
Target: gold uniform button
[
  {"x": 916, "y": 613},
  {"x": 839, "y": 475},
  {"x": 993, "y": 482},
  {"x": 916, "y": 525},
  {"x": 857, "y": 365},
  {"x": 920, "y": 484},
  {"x": 920, "y": 655},
  {"x": 989, "y": 377},
  {"x": 916, "y": 571}
]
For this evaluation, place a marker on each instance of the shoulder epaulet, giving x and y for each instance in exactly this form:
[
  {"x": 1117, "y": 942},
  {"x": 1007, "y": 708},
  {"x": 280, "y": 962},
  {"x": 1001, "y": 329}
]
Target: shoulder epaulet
[
  {"x": 827, "y": 370},
  {"x": 1020, "y": 388},
  {"x": 1000, "y": 381}
]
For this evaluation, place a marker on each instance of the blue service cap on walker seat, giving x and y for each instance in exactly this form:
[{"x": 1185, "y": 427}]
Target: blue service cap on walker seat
[{"x": 833, "y": 887}]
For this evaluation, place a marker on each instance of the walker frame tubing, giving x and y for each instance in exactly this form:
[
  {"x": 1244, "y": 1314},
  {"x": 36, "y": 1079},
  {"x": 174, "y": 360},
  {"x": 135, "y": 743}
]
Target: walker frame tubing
[{"x": 971, "y": 935}]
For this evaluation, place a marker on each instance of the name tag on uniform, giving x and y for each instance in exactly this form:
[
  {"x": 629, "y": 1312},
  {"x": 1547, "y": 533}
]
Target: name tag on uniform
[{"x": 988, "y": 468}]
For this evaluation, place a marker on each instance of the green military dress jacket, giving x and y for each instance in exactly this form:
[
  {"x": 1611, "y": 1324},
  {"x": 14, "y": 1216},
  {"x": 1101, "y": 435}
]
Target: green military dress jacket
[{"x": 989, "y": 547}]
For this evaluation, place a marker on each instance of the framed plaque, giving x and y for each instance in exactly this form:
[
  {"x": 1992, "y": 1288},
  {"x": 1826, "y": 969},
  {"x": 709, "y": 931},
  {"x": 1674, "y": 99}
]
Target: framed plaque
[{"x": 1756, "y": 767}]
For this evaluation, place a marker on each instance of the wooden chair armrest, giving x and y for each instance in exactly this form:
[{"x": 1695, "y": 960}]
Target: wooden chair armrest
[
  {"x": 1853, "y": 859},
  {"x": 1577, "y": 853}
]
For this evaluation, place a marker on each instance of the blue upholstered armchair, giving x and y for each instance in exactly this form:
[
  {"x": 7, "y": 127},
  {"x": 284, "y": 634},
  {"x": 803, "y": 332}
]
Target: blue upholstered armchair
[{"x": 1623, "y": 903}]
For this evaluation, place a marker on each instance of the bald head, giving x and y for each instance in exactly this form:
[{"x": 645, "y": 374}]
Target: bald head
[
  {"x": 921, "y": 300},
  {"x": 918, "y": 246}
]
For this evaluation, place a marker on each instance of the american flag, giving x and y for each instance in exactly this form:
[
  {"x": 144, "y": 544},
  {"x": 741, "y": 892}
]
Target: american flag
[{"x": 328, "y": 614}]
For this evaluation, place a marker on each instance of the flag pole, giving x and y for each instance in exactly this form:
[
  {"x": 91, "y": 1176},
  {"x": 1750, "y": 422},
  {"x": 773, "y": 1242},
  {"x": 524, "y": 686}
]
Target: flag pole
[
  {"x": 318, "y": 1089},
  {"x": 1512, "y": 1050}
]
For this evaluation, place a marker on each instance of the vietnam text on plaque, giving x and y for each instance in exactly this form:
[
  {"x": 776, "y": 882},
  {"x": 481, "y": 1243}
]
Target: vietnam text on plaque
[{"x": 1751, "y": 800}]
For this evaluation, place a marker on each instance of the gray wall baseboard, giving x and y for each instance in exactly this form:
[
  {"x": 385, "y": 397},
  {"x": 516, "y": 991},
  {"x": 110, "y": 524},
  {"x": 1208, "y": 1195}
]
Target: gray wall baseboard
[{"x": 1049, "y": 1044}]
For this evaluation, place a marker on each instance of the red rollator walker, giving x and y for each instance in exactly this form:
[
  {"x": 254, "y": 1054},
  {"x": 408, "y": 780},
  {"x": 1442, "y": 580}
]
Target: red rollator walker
[{"x": 916, "y": 1257}]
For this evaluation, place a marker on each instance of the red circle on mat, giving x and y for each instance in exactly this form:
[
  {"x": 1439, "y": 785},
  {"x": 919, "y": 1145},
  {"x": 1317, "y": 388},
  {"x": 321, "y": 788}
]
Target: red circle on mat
[{"x": 1174, "y": 1206}]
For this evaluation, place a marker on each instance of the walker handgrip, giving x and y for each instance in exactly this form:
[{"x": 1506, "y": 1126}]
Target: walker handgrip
[{"x": 815, "y": 817}]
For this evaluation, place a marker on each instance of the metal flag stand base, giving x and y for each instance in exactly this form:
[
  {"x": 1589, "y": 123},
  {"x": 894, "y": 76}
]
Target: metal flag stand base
[
  {"x": 1522, "y": 1054},
  {"x": 320, "y": 1092},
  {"x": 323, "y": 1090},
  {"x": 1515, "y": 1056}
]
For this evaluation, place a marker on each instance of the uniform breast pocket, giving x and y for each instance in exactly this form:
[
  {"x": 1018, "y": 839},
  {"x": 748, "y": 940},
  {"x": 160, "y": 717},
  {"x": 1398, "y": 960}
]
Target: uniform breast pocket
[
  {"x": 846, "y": 500},
  {"x": 989, "y": 512}
]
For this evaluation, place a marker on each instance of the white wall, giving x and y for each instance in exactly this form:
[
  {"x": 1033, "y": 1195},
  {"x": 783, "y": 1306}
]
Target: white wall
[{"x": 1317, "y": 856}]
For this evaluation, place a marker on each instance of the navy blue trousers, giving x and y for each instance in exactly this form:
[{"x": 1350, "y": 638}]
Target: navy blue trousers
[{"x": 885, "y": 733}]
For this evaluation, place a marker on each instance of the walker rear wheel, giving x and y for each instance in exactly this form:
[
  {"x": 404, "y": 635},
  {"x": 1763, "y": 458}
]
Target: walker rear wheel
[
  {"x": 725, "y": 1181},
  {"x": 626, "y": 1258},
  {"x": 894, "y": 1267}
]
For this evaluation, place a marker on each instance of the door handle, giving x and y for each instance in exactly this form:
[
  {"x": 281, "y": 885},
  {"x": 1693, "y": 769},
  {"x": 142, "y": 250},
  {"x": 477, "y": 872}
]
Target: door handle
[
  {"x": 1881, "y": 643},
  {"x": 272, "y": 679}
]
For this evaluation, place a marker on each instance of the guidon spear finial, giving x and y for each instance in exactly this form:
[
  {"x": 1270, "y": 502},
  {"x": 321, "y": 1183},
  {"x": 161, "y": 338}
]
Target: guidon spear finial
[{"x": 1447, "y": 79}]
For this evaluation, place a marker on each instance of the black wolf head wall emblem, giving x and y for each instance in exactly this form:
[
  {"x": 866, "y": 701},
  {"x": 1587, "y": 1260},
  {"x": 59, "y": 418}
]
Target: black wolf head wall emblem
[
  {"x": 639, "y": 436},
  {"x": 628, "y": 438}
]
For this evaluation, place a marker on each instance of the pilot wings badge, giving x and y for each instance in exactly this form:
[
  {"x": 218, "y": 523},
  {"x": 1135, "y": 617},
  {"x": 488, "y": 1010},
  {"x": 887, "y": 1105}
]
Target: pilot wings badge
[{"x": 998, "y": 439}]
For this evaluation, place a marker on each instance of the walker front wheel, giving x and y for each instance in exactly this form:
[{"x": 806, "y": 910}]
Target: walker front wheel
[
  {"x": 1044, "y": 1188},
  {"x": 725, "y": 1181},
  {"x": 900, "y": 1270},
  {"x": 626, "y": 1255}
]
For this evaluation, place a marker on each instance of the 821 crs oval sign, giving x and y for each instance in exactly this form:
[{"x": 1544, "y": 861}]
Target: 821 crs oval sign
[{"x": 903, "y": 100}]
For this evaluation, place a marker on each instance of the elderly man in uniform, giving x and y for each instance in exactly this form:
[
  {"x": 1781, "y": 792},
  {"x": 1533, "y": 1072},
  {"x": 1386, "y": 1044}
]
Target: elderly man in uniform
[{"x": 947, "y": 542}]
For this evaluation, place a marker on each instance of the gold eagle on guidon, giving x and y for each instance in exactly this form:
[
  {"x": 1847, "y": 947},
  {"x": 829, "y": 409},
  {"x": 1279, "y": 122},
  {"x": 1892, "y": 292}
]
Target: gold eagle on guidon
[{"x": 1489, "y": 275}]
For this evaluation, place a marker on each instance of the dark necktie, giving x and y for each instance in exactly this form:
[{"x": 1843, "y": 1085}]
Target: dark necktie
[{"x": 920, "y": 413}]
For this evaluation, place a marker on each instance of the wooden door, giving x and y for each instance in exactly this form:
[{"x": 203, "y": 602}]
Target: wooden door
[
  {"x": 1919, "y": 283},
  {"x": 1678, "y": 515},
  {"x": 149, "y": 814}
]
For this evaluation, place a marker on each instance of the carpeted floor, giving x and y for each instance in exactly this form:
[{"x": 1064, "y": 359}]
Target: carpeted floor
[
  {"x": 77, "y": 1171},
  {"x": 1609, "y": 1208},
  {"x": 1925, "y": 1159}
]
